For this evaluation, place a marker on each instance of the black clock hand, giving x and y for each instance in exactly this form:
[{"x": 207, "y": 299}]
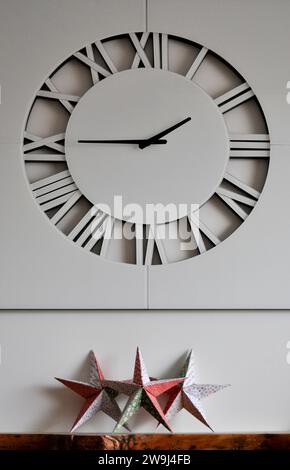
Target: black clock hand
[
  {"x": 155, "y": 138},
  {"x": 127, "y": 141}
]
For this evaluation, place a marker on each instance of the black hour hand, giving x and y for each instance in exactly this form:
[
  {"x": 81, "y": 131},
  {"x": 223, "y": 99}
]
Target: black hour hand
[{"x": 156, "y": 138}]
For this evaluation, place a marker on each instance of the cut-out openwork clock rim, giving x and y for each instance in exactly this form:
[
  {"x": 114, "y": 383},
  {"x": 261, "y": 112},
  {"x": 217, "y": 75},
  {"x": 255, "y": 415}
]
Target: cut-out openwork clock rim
[{"x": 58, "y": 194}]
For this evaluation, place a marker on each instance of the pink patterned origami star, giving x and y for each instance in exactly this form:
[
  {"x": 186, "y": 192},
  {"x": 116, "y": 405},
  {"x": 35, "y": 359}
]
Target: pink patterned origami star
[
  {"x": 142, "y": 392},
  {"x": 189, "y": 393},
  {"x": 97, "y": 396}
]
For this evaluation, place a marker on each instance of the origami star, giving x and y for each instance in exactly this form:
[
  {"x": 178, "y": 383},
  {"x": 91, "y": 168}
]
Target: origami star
[
  {"x": 188, "y": 394},
  {"x": 97, "y": 396},
  {"x": 143, "y": 393}
]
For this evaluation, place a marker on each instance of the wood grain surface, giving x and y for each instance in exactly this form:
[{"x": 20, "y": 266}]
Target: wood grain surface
[{"x": 145, "y": 442}]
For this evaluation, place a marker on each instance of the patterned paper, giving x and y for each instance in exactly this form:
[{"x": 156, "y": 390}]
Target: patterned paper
[
  {"x": 143, "y": 392},
  {"x": 188, "y": 394},
  {"x": 96, "y": 394}
]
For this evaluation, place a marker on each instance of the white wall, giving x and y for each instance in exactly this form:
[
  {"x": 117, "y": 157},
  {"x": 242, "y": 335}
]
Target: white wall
[{"x": 246, "y": 349}]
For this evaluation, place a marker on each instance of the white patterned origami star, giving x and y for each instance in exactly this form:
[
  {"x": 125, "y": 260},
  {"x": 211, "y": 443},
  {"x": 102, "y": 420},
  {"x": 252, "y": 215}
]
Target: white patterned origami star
[{"x": 188, "y": 395}]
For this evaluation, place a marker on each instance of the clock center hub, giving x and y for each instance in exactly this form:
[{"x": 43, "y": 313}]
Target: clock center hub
[{"x": 158, "y": 183}]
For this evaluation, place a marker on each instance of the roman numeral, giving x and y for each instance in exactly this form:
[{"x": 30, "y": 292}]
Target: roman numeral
[
  {"x": 139, "y": 244},
  {"x": 97, "y": 71},
  {"x": 232, "y": 199},
  {"x": 37, "y": 142},
  {"x": 155, "y": 237},
  {"x": 234, "y": 97},
  {"x": 44, "y": 157},
  {"x": 57, "y": 96},
  {"x": 90, "y": 55},
  {"x": 196, "y": 63},
  {"x": 229, "y": 199},
  {"x": 249, "y": 146},
  {"x": 140, "y": 55},
  {"x": 160, "y": 51},
  {"x": 55, "y": 190},
  {"x": 91, "y": 63},
  {"x": 198, "y": 228},
  {"x": 107, "y": 59},
  {"x": 54, "y": 93},
  {"x": 237, "y": 197},
  {"x": 243, "y": 186},
  {"x": 84, "y": 222},
  {"x": 108, "y": 230},
  {"x": 91, "y": 228},
  {"x": 76, "y": 195},
  {"x": 94, "y": 232}
]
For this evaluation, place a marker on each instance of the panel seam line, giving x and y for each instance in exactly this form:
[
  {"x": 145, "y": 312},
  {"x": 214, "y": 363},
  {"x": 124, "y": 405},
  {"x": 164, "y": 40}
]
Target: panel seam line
[{"x": 147, "y": 286}]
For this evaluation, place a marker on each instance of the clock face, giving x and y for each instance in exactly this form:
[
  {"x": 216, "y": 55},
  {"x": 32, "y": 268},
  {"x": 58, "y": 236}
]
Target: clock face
[{"x": 146, "y": 148}]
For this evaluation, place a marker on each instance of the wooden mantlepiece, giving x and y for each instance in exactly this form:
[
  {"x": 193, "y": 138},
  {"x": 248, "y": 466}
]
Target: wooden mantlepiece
[{"x": 85, "y": 442}]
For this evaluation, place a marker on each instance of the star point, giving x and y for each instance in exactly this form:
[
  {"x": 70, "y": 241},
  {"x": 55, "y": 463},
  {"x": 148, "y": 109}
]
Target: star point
[
  {"x": 143, "y": 393},
  {"x": 189, "y": 394},
  {"x": 97, "y": 396}
]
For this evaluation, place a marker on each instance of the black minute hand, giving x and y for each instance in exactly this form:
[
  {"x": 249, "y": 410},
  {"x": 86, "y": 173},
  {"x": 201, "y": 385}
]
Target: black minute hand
[
  {"x": 128, "y": 141},
  {"x": 155, "y": 138}
]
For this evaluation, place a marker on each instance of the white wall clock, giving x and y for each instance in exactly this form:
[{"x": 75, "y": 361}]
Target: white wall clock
[
  {"x": 155, "y": 111},
  {"x": 133, "y": 87}
]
